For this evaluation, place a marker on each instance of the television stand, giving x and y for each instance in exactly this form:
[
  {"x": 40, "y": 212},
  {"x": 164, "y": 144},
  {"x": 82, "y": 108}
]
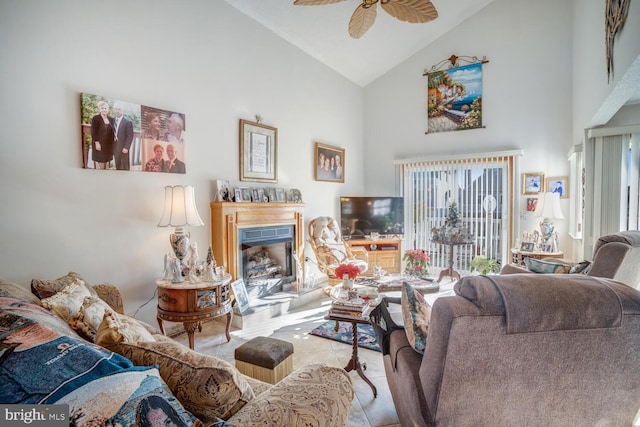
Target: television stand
[{"x": 382, "y": 252}]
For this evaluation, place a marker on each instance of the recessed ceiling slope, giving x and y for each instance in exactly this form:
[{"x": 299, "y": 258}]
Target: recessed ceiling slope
[{"x": 321, "y": 31}]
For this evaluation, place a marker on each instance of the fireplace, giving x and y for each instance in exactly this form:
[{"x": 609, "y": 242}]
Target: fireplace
[
  {"x": 266, "y": 256},
  {"x": 240, "y": 231}
]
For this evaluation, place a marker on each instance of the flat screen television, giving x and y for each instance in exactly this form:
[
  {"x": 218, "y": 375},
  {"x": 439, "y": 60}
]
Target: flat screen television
[{"x": 361, "y": 216}]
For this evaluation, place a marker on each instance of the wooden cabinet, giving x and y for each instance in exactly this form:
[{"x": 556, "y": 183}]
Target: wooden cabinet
[
  {"x": 382, "y": 252},
  {"x": 191, "y": 303}
]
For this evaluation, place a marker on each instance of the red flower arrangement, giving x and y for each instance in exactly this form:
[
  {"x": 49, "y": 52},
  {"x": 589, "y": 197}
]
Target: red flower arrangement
[{"x": 350, "y": 270}]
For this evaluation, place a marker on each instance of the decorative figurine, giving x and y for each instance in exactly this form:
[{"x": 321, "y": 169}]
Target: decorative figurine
[
  {"x": 167, "y": 274},
  {"x": 177, "y": 271},
  {"x": 194, "y": 260},
  {"x": 211, "y": 261}
]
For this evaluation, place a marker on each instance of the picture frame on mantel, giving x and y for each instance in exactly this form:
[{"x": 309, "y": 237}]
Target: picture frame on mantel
[
  {"x": 329, "y": 163},
  {"x": 258, "y": 152}
]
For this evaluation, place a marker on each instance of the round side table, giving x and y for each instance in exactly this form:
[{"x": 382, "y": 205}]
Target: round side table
[{"x": 191, "y": 303}]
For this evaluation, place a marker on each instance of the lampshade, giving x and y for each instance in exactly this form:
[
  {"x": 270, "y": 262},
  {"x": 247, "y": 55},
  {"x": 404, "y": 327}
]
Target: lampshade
[
  {"x": 548, "y": 206},
  {"x": 179, "y": 207}
]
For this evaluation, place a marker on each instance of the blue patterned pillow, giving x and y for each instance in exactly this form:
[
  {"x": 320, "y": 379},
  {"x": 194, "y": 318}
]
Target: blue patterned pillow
[
  {"x": 546, "y": 267},
  {"x": 416, "y": 313}
]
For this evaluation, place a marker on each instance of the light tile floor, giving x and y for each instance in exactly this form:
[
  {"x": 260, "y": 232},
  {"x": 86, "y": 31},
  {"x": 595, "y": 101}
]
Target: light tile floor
[{"x": 294, "y": 326}]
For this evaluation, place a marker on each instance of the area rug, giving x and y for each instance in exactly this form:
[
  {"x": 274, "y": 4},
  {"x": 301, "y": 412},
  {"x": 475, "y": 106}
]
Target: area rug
[{"x": 366, "y": 336}]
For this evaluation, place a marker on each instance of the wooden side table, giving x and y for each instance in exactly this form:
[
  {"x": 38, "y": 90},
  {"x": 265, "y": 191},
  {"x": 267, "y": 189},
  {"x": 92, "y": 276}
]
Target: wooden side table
[
  {"x": 191, "y": 303},
  {"x": 518, "y": 256},
  {"x": 449, "y": 271},
  {"x": 354, "y": 363}
]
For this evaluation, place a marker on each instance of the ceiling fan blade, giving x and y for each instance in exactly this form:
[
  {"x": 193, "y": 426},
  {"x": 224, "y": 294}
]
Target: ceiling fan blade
[
  {"x": 314, "y": 2},
  {"x": 414, "y": 11},
  {"x": 361, "y": 20}
]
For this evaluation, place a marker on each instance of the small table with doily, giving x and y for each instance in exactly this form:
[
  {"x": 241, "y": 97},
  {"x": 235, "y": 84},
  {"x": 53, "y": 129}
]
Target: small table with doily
[
  {"x": 191, "y": 303},
  {"x": 361, "y": 299}
]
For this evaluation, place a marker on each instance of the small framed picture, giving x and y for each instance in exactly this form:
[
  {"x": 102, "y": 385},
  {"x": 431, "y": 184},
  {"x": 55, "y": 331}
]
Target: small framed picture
[
  {"x": 271, "y": 194},
  {"x": 531, "y": 204},
  {"x": 258, "y": 152},
  {"x": 545, "y": 247},
  {"x": 532, "y": 183},
  {"x": 240, "y": 294},
  {"x": 296, "y": 196},
  {"x": 222, "y": 191},
  {"x": 526, "y": 246},
  {"x": 237, "y": 194},
  {"x": 280, "y": 195},
  {"x": 246, "y": 194},
  {"x": 329, "y": 163},
  {"x": 559, "y": 184}
]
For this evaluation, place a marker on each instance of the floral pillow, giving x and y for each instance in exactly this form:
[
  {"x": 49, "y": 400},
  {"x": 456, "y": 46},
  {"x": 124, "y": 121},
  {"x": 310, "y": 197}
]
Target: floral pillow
[
  {"x": 118, "y": 328},
  {"x": 89, "y": 316},
  {"x": 47, "y": 288},
  {"x": 208, "y": 387},
  {"x": 68, "y": 301},
  {"x": 416, "y": 313}
]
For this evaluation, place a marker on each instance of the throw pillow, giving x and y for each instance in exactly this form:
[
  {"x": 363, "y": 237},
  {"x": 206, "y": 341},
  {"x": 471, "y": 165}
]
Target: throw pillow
[
  {"x": 13, "y": 290},
  {"x": 46, "y": 288},
  {"x": 88, "y": 318},
  {"x": 34, "y": 313},
  {"x": 416, "y": 313},
  {"x": 546, "y": 267},
  {"x": 68, "y": 301},
  {"x": 118, "y": 328},
  {"x": 579, "y": 267},
  {"x": 208, "y": 387}
]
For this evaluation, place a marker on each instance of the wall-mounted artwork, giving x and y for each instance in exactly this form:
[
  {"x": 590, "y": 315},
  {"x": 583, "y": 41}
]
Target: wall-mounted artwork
[
  {"x": 454, "y": 95},
  {"x": 532, "y": 183},
  {"x": 119, "y": 135},
  {"x": 558, "y": 184},
  {"x": 329, "y": 163}
]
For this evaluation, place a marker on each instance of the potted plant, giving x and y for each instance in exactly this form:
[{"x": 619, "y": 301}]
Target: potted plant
[
  {"x": 416, "y": 262},
  {"x": 484, "y": 265}
]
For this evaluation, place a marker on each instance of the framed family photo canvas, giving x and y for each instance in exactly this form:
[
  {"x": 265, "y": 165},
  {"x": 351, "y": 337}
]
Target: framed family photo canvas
[
  {"x": 559, "y": 184},
  {"x": 258, "y": 152},
  {"x": 532, "y": 183},
  {"x": 329, "y": 163}
]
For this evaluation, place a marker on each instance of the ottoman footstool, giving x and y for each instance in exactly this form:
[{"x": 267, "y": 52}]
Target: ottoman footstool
[{"x": 265, "y": 359}]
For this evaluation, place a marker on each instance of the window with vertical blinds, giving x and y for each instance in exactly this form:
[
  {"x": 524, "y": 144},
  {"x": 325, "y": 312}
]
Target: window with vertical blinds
[
  {"x": 616, "y": 179},
  {"x": 483, "y": 188}
]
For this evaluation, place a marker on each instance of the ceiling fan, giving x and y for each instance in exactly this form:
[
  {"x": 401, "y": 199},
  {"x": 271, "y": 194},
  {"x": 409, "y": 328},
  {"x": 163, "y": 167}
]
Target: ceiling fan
[{"x": 414, "y": 11}]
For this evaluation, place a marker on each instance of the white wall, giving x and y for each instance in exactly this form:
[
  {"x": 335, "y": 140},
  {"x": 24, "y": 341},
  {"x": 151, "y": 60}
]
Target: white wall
[
  {"x": 526, "y": 96},
  {"x": 204, "y": 59}
]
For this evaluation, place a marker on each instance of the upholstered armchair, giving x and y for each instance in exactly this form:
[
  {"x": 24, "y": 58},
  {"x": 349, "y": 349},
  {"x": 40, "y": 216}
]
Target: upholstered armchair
[{"x": 325, "y": 238}]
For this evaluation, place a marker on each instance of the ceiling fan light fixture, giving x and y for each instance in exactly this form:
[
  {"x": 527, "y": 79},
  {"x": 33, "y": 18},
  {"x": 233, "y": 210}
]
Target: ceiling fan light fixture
[{"x": 413, "y": 11}]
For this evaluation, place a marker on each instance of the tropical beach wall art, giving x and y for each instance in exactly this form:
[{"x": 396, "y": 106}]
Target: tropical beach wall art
[{"x": 454, "y": 98}]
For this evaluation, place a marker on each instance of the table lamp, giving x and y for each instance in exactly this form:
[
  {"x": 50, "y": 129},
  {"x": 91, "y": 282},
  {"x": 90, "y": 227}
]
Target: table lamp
[
  {"x": 548, "y": 208},
  {"x": 179, "y": 211}
]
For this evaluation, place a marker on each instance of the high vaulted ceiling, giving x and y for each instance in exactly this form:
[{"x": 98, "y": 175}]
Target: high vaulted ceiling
[{"x": 321, "y": 31}]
